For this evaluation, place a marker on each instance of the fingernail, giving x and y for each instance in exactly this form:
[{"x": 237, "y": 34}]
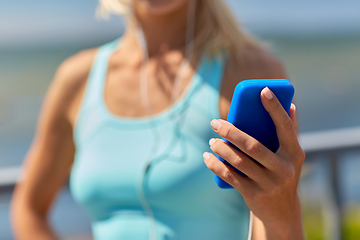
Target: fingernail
[
  {"x": 216, "y": 124},
  {"x": 293, "y": 106},
  {"x": 211, "y": 142},
  {"x": 268, "y": 94},
  {"x": 206, "y": 155}
]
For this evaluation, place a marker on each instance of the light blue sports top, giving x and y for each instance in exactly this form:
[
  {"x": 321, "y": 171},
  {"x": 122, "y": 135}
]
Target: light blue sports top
[{"x": 112, "y": 151}]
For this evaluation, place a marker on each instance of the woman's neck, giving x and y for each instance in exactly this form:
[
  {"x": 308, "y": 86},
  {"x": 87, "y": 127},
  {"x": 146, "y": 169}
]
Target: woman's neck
[{"x": 164, "y": 31}]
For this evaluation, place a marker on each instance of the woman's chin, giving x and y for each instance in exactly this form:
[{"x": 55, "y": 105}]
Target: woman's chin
[{"x": 159, "y": 7}]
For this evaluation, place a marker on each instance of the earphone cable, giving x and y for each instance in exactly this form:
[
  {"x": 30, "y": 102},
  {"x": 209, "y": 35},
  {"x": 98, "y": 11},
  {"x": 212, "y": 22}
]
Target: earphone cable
[{"x": 189, "y": 36}]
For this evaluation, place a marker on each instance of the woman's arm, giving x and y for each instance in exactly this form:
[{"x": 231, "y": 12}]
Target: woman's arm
[
  {"x": 268, "y": 192},
  {"x": 50, "y": 157}
]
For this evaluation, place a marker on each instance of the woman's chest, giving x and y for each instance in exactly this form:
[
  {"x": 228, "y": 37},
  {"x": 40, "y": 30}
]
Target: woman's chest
[{"x": 109, "y": 166}]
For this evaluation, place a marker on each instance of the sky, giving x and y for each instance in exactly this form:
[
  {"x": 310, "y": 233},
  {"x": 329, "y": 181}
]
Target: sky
[{"x": 24, "y": 22}]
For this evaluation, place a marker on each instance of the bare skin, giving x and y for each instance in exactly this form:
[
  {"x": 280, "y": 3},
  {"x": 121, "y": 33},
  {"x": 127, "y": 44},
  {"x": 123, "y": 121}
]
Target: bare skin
[{"x": 51, "y": 155}]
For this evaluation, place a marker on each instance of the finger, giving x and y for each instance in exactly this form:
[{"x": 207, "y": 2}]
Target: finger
[
  {"x": 237, "y": 159},
  {"x": 300, "y": 155},
  {"x": 226, "y": 173},
  {"x": 283, "y": 123},
  {"x": 245, "y": 143},
  {"x": 292, "y": 115}
]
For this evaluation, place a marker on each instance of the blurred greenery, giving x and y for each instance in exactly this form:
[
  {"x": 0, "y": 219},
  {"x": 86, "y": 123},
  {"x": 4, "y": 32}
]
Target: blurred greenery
[
  {"x": 351, "y": 223},
  {"x": 314, "y": 224}
]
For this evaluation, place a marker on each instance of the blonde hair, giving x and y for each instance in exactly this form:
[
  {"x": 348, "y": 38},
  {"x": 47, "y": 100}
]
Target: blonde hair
[{"x": 216, "y": 29}]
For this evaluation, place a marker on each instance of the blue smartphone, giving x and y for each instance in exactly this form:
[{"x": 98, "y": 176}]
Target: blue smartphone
[{"x": 249, "y": 115}]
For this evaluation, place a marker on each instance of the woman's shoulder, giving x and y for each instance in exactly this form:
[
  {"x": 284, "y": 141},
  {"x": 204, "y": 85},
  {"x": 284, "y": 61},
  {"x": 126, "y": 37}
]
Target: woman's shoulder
[
  {"x": 70, "y": 80},
  {"x": 73, "y": 71},
  {"x": 256, "y": 62}
]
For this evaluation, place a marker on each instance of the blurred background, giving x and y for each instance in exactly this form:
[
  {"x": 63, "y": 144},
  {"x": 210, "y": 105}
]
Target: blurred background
[{"x": 318, "y": 40}]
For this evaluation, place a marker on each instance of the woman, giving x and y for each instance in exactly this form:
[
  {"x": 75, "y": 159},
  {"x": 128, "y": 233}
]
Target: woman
[{"x": 137, "y": 111}]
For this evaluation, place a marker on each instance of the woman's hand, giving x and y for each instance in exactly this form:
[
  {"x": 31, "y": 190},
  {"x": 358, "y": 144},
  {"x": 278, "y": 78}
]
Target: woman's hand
[{"x": 270, "y": 190}]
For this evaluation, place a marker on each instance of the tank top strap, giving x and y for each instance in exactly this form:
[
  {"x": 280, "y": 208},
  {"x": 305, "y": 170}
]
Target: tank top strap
[
  {"x": 97, "y": 76},
  {"x": 93, "y": 89},
  {"x": 211, "y": 69},
  {"x": 211, "y": 72}
]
